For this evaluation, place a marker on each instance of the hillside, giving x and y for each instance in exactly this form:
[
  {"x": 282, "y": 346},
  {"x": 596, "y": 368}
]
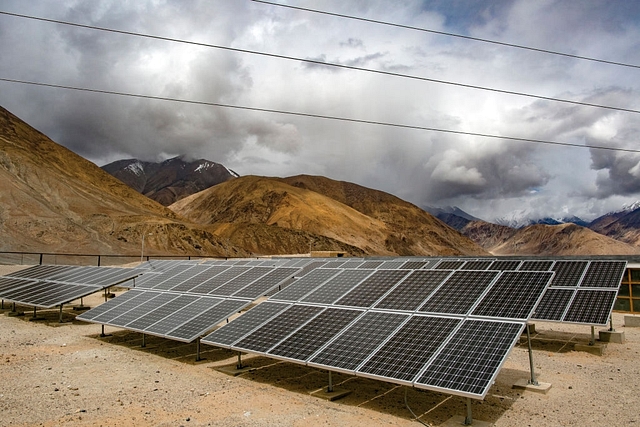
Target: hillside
[
  {"x": 52, "y": 200},
  {"x": 169, "y": 181},
  {"x": 564, "y": 239},
  {"x": 332, "y": 216}
]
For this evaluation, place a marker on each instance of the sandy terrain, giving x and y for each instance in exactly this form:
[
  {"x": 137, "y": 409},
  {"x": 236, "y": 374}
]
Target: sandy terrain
[{"x": 66, "y": 374}]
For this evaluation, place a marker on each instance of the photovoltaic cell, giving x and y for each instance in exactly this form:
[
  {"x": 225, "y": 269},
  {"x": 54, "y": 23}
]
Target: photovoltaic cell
[
  {"x": 356, "y": 343},
  {"x": 413, "y": 290},
  {"x": 505, "y": 265},
  {"x": 553, "y": 304},
  {"x": 514, "y": 295},
  {"x": 306, "y": 284},
  {"x": 337, "y": 286},
  {"x": 372, "y": 288},
  {"x": 470, "y": 361},
  {"x": 176, "y": 279},
  {"x": 371, "y": 264},
  {"x": 459, "y": 293},
  {"x": 413, "y": 265},
  {"x": 478, "y": 264},
  {"x": 604, "y": 274},
  {"x": 108, "y": 305},
  {"x": 536, "y": 265},
  {"x": 278, "y": 328},
  {"x": 266, "y": 283},
  {"x": 591, "y": 306},
  {"x": 391, "y": 265},
  {"x": 449, "y": 264},
  {"x": 568, "y": 273},
  {"x": 307, "y": 340},
  {"x": 140, "y": 310},
  {"x": 219, "y": 280},
  {"x": 143, "y": 322},
  {"x": 180, "y": 317},
  {"x": 200, "y": 278},
  {"x": 120, "y": 308},
  {"x": 245, "y": 324},
  {"x": 406, "y": 352},
  {"x": 334, "y": 264}
]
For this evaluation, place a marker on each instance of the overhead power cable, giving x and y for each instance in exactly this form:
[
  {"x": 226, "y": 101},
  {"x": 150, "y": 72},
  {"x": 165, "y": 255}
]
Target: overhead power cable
[
  {"x": 319, "y": 116},
  {"x": 326, "y": 64},
  {"x": 444, "y": 33}
]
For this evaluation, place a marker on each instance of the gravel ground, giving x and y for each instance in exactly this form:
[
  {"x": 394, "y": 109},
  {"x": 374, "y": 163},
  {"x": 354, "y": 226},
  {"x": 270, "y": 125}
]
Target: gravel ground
[{"x": 55, "y": 374}]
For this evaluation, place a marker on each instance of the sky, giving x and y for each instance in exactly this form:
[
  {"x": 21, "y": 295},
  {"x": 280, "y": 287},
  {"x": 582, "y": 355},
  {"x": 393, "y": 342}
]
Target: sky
[{"x": 489, "y": 178}]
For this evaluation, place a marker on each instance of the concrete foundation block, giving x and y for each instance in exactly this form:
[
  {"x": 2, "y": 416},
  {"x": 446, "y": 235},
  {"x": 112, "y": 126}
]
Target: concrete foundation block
[
  {"x": 632, "y": 321},
  {"x": 458, "y": 421},
  {"x": 337, "y": 393},
  {"x": 542, "y": 388},
  {"x": 612, "y": 336},
  {"x": 595, "y": 349}
]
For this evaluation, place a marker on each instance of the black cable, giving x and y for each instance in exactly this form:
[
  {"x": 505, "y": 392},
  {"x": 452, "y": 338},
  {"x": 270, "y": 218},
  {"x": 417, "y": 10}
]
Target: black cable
[
  {"x": 326, "y": 64},
  {"x": 320, "y": 116},
  {"x": 443, "y": 33}
]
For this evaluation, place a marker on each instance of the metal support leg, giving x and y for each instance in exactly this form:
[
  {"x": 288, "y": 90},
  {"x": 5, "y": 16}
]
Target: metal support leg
[
  {"x": 144, "y": 340},
  {"x": 198, "y": 350},
  {"x": 105, "y": 294},
  {"x": 14, "y": 307},
  {"x": 611, "y": 324},
  {"x": 81, "y": 302},
  {"x": 34, "y": 312},
  {"x": 60, "y": 321},
  {"x": 239, "y": 363},
  {"x": 102, "y": 333},
  {"x": 2, "y": 305},
  {"x": 330, "y": 388},
  {"x": 532, "y": 380},
  {"x": 593, "y": 336},
  {"x": 468, "y": 420}
]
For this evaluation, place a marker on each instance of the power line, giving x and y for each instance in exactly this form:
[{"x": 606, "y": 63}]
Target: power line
[
  {"x": 326, "y": 64},
  {"x": 318, "y": 116},
  {"x": 443, "y": 33}
]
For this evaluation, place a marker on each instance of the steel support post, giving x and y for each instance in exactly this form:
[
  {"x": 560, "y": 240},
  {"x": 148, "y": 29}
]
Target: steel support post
[{"x": 532, "y": 380}]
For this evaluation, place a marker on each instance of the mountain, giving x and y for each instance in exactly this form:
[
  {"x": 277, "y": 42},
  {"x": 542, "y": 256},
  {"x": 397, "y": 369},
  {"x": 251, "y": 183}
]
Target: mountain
[
  {"x": 453, "y": 216},
  {"x": 52, "y": 200},
  {"x": 524, "y": 218},
  {"x": 169, "y": 181},
  {"x": 541, "y": 239},
  {"x": 623, "y": 225},
  {"x": 318, "y": 213}
]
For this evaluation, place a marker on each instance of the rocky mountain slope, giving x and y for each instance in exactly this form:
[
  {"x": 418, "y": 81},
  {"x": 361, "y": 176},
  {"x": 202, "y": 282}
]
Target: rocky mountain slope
[
  {"x": 52, "y": 200},
  {"x": 317, "y": 213},
  {"x": 169, "y": 181}
]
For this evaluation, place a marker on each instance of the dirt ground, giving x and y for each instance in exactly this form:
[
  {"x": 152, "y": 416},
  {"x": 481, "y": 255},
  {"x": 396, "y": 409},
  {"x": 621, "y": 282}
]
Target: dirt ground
[{"x": 55, "y": 374}]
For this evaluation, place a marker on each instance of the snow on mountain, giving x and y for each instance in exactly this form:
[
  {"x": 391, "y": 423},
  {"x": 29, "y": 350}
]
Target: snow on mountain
[
  {"x": 136, "y": 168},
  {"x": 523, "y": 218}
]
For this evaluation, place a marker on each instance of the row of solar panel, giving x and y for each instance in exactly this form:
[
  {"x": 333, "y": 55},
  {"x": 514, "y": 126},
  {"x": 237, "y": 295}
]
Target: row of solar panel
[
  {"x": 84, "y": 275},
  {"x": 449, "y": 354},
  {"x": 176, "y": 316}
]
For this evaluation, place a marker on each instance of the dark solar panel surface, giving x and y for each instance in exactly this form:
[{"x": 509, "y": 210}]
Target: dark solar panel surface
[
  {"x": 413, "y": 290},
  {"x": 449, "y": 264},
  {"x": 505, "y": 265},
  {"x": 406, "y": 352},
  {"x": 413, "y": 265},
  {"x": 470, "y": 361},
  {"x": 553, "y": 304},
  {"x": 479, "y": 264},
  {"x": 591, "y": 306},
  {"x": 278, "y": 328},
  {"x": 143, "y": 322},
  {"x": 266, "y": 283},
  {"x": 337, "y": 286},
  {"x": 536, "y": 265},
  {"x": 176, "y": 279},
  {"x": 459, "y": 293},
  {"x": 514, "y": 295},
  {"x": 357, "y": 343},
  {"x": 604, "y": 274},
  {"x": 306, "y": 284},
  {"x": 197, "y": 280},
  {"x": 245, "y": 324},
  {"x": 372, "y": 288},
  {"x": 568, "y": 273},
  {"x": 140, "y": 310},
  {"x": 239, "y": 282},
  {"x": 307, "y": 340},
  {"x": 219, "y": 280},
  {"x": 108, "y": 305},
  {"x": 204, "y": 322},
  {"x": 180, "y": 317},
  {"x": 371, "y": 264},
  {"x": 120, "y": 308}
]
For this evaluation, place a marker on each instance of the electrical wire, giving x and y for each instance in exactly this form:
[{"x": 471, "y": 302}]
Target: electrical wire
[
  {"x": 406, "y": 404},
  {"x": 320, "y": 116},
  {"x": 444, "y": 33},
  {"x": 325, "y": 63}
]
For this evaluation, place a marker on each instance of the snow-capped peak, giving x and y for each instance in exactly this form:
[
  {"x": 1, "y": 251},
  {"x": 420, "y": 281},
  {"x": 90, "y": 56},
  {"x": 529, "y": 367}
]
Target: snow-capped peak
[
  {"x": 204, "y": 166},
  {"x": 136, "y": 168},
  {"x": 631, "y": 207}
]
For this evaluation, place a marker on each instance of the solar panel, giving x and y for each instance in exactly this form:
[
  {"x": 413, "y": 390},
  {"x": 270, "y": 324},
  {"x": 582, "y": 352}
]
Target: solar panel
[
  {"x": 591, "y": 306},
  {"x": 514, "y": 295},
  {"x": 203, "y": 323},
  {"x": 505, "y": 265},
  {"x": 148, "y": 279},
  {"x": 183, "y": 315},
  {"x": 568, "y": 273},
  {"x": 304, "y": 285},
  {"x": 266, "y": 283},
  {"x": 62, "y": 295},
  {"x": 371, "y": 264},
  {"x": 108, "y": 305},
  {"x": 449, "y": 264},
  {"x": 307, "y": 340},
  {"x": 413, "y": 290},
  {"x": 553, "y": 304},
  {"x": 145, "y": 321},
  {"x": 459, "y": 293},
  {"x": 116, "y": 308},
  {"x": 219, "y": 280},
  {"x": 334, "y": 264},
  {"x": 352, "y": 264},
  {"x": 413, "y": 265},
  {"x": 176, "y": 279},
  {"x": 245, "y": 324},
  {"x": 372, "y": 288},
  {"x": 7, "y": 283},
  {"x": 356, "y": 343},
  {"x": 478, "y": 264},
  {"x": 536, "y": 265},
  {"x": 337, "y": 286},
  {"x": 391, "y": 265},
  {"x": 39, "y": 271},
  {"x": 272, "y": 332},
  {"x": 200, "y": 278},
  {"x": 405, "y": 353},
  {"x": 140, "y": 310},
  {"x": 469, "y": 362},
  {"x": 604, "y": 274}
]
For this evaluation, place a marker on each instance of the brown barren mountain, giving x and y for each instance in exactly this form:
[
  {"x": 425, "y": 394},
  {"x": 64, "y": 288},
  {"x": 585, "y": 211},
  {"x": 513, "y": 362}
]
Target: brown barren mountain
[
  {"x": 52, "y": 200},
  {"x": 254, "y": 211},
  {"x": 563, "y": 239}
]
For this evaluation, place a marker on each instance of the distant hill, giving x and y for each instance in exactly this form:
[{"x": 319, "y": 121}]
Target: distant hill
[
  {"x": 318, "y": 213},
  {"x": 623, "y": 225},
  {"x": 52, "y": 200},
  {"x": 453, "y": 216},
  {"x": 540, "y": 239},
  {"x": 169, "y": 181}
]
